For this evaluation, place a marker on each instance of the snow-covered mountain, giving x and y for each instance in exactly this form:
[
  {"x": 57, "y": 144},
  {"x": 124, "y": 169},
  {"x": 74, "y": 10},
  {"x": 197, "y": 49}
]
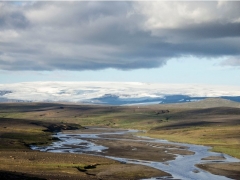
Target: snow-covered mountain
[{"x": 117, "y": 93}]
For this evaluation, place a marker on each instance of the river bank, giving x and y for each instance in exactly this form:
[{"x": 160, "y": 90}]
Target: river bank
[
  {"x": 179, "y": 160},
  {"x": 19, "y": 162}
]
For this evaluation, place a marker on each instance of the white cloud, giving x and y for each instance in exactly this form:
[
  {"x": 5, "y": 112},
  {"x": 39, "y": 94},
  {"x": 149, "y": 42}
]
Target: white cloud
[
  {"x": 178, "y": 14},
  {"x": 7, "y": 35},
  {"x": 233, "y": 61}
]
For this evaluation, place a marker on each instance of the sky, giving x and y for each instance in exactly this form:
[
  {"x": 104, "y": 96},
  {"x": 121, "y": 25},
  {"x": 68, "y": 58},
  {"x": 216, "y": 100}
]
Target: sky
[{"x": 161, "y": 42}]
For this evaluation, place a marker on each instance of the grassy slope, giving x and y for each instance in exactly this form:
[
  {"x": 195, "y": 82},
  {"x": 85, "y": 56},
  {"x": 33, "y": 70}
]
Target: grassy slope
[
  {"x": 211, "y": 124},
  {"x": 221, "y": 139}
]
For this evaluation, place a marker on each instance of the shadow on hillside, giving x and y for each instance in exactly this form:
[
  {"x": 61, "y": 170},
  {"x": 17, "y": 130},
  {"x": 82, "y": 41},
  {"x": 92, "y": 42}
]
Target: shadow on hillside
[
  {"x": 7, "y": 175},
  {"x": 186, "y": 125}
]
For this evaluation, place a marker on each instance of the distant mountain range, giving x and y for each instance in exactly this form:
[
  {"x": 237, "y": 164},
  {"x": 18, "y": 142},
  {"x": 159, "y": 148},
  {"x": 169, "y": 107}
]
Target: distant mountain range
[{"x": 114, "y": 93}]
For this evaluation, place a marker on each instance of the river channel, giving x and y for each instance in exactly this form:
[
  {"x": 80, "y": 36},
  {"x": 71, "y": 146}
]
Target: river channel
[{"x": 177, "y": 159}]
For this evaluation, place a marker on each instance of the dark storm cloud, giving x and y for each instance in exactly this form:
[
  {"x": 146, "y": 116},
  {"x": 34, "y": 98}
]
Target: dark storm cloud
[
  {"x": 207, "y": 30},
  {"x": 121, "y": 35},
  {"x": 12, "y": 19}
]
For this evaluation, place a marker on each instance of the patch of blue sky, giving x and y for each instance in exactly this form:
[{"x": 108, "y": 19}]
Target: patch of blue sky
[{"x": 187, "y": 70}]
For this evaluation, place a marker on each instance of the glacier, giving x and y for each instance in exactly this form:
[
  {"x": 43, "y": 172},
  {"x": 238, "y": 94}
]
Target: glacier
[{"x": 115, "y": 93}]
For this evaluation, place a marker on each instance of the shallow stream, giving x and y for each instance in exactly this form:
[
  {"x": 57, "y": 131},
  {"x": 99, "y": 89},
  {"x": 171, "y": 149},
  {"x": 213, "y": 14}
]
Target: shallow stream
[{"x": 182, "y": 167}]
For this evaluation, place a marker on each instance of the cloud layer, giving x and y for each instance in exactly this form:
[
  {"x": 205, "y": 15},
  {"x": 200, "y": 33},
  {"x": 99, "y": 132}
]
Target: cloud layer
[
  {"x": 87, "y": 91},
  {"x": 121, "y": 35}
]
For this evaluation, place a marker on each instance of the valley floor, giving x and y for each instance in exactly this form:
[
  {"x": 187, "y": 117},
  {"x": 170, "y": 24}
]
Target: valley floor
[{"x": 33, "y": 123}]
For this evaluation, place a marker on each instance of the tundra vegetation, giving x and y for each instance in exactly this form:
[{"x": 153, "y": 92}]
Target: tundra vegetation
[{"x": 211, "y": 123}]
